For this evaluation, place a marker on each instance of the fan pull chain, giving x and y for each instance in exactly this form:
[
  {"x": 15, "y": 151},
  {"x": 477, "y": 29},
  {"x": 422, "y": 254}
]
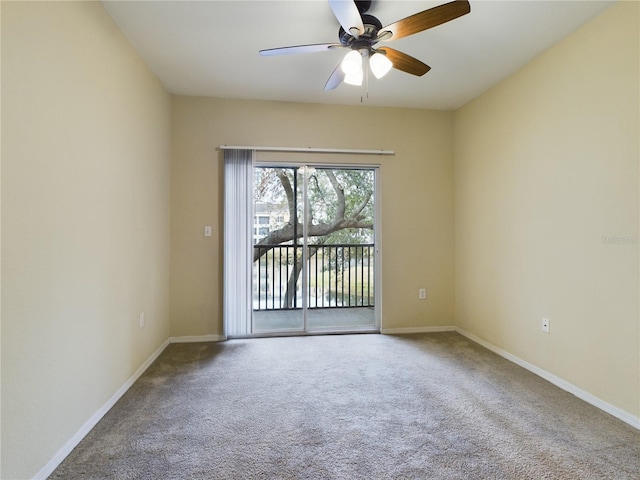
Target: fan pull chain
[{"x": 365, "y": 84}]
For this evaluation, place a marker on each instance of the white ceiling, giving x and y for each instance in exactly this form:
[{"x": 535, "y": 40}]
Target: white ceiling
[{"x": 210, "y": 48}]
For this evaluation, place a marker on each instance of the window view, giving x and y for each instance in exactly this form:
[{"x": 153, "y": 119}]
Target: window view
[{"x": 334, "y": 208}]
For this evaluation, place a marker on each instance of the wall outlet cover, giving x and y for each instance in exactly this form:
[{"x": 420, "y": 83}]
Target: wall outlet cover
[{"x": 545, "y": 325}]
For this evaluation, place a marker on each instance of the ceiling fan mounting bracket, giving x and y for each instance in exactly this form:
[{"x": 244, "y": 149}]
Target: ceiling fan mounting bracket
[{"x": 363, "y": 5}]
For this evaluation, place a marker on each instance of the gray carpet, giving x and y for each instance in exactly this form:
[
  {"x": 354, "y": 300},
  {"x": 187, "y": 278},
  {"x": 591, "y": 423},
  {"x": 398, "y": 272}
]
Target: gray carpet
[{"x": 430, "y": 406}]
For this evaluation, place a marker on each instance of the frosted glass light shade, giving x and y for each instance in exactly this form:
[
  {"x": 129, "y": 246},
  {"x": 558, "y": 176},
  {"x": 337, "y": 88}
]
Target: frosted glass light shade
[
  {"x": 380, "y": 65},
  {"x": 354, "y": 78},
  {"x": 352, "y": 63}
]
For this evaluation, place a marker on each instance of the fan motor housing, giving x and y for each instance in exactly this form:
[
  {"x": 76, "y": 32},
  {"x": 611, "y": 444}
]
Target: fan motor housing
[{"x": 371, "y": 27}]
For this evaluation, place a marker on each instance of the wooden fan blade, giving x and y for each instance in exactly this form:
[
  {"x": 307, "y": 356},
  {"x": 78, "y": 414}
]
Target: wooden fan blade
[
  {"x": 348, "y": 15},
  {"x": 426, "y": 19},
  {"x": 336, "y": 78},
  {"x": 406, "y": 63},
  {"x": 318, "y": 47}
]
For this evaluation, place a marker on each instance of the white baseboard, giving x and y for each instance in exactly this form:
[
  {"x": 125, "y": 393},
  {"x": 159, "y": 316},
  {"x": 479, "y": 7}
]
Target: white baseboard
[
  {"x": 557, "y": 381},
  {"x": 198, "y": 338},
  {"x": 96, "y": 417},
  {"x": 405, "y": 330}
]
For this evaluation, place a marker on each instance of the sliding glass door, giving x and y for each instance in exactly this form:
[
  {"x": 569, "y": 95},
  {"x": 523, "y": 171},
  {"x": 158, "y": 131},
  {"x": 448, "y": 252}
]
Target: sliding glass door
[{"x": 314, "y": 249}]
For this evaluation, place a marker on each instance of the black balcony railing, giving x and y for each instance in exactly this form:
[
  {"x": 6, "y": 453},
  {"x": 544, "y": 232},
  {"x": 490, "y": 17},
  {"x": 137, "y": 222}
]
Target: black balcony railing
[{"x": 339, "y": 276}]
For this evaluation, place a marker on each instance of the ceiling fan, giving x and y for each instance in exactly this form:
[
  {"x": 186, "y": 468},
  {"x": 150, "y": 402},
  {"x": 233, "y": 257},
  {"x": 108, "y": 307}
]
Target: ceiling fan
[{"x": 360, "y": 32}]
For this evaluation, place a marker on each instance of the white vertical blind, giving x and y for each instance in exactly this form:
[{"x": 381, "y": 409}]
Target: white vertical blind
[{"x": 238, "y": 255}]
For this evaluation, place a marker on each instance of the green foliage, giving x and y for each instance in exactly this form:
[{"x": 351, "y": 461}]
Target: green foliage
[
  {"x": 357, "y": 186},
  {"x": 324, "y": 199}
]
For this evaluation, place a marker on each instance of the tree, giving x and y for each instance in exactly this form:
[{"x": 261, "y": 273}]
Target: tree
[{"x": 339, "y": 210}]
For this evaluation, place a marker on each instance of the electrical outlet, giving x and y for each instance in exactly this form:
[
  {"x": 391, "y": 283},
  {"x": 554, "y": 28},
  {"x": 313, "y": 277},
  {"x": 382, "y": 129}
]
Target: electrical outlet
[
  {"x": 545, "y": 325},
  {"x": 422, "y": 293},
  {"x": 141, "y": 319}
]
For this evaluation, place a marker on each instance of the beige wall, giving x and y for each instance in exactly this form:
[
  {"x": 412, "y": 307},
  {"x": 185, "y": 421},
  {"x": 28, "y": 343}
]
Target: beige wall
[
  {"x": 546, "y": 210},
  {"x": 546, "y": 213},
  {"x": 85, "y": 216},
  {"x": 417, "y": 198}
]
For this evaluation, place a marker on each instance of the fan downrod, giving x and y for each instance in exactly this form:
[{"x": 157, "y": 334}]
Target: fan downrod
[{"x": 363, "y": 5}]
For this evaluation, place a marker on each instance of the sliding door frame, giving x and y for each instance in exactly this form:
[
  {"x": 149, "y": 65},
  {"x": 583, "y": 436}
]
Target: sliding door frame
[{"x": 377, "y": 235}]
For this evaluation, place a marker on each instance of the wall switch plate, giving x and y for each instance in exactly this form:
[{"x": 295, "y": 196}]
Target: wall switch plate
[
  {"x": 545, "y": 325},
  {"x": 141, "y": 319},
  {"x": 422, "y": 293},
  {"x": 207, "y": 231}
]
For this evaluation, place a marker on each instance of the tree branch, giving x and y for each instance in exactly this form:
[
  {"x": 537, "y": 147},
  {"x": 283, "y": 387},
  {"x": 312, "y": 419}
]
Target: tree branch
[
  {"x": 339, "y": 222},
  {"x": 340, "y": 194},
  {"x": 286, "y": 185},
  {"x": 361, "y": 205}
]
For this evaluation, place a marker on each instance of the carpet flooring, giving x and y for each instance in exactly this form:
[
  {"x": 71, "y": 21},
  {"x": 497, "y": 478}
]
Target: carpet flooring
[{"x": 427, "y": 406}]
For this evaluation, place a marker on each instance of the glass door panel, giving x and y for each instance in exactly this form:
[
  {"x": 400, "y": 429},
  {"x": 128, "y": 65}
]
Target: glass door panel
[
  {"x": 314, "y": 249},
  {"x": 341, "y": 253},
  {"x": 277, "y": 252}
]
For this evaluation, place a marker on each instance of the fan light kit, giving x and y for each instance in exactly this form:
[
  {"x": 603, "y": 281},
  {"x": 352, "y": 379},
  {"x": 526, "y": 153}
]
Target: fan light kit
[{"x": 359, "y": 32}]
